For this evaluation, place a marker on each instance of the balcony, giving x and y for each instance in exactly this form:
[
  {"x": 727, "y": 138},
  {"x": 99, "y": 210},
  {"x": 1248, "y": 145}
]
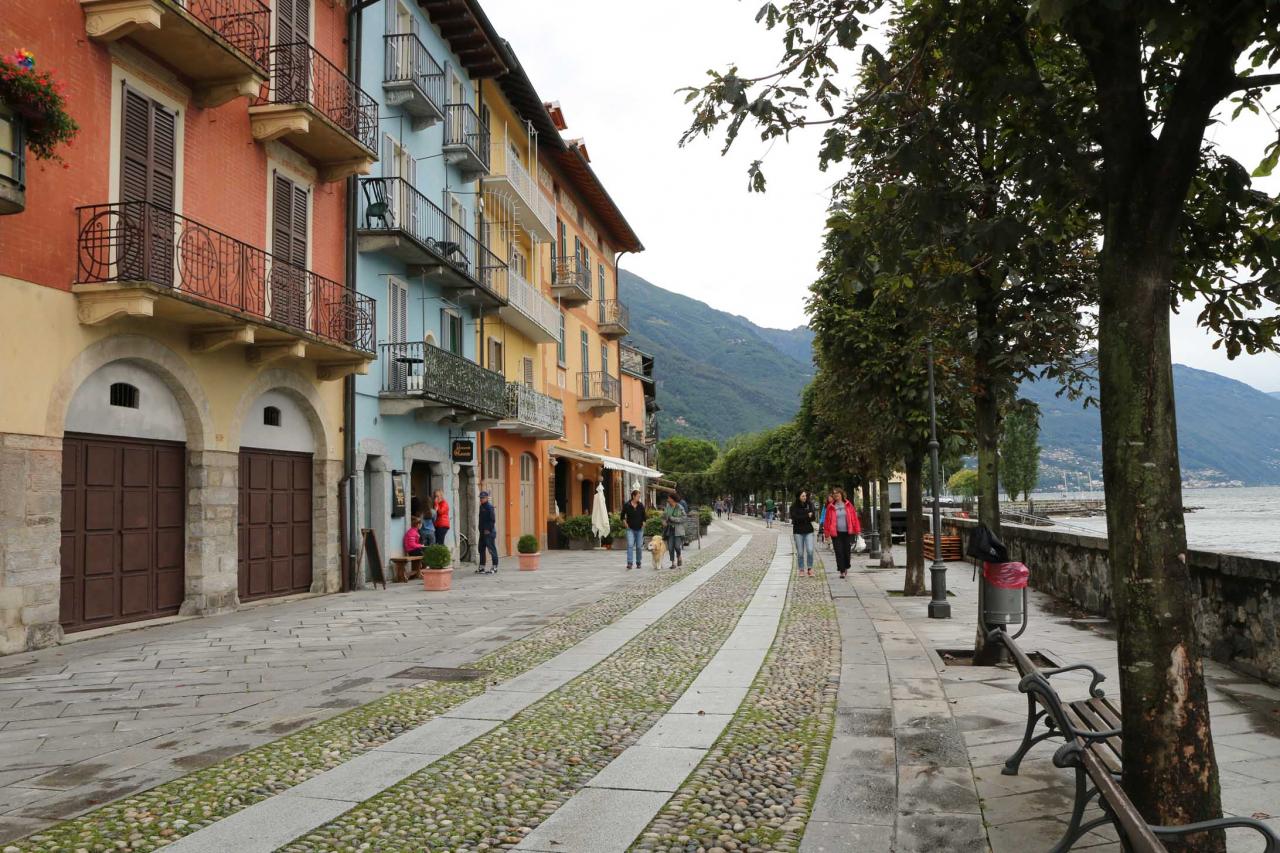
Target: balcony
[
  {"x": 440, "y": 387},
  {"x": 532, "y": 414},
  {"x": 570, "y": 280},
  {"x": 529, "y": 311},
  {"x": 140, "y": 260},
  {"x": 397, "y": 219},
  {"x": 615, "y": 319},
  {"x": 466, "y": 141},
  {"x": 413, "y": 80},
  {"x": 508, "y": 177},
  {"x": 219, "y": 46},
  {"x": 598, "y": 392},
  {"x": 318, "y": 110}
]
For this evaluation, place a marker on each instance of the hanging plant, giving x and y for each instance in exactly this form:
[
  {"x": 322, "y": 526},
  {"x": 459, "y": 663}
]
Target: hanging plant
[{"x": 36, "y": 98}]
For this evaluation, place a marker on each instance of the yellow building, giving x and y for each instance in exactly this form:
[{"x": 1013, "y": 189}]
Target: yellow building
[{"x": 518, "y": 340}]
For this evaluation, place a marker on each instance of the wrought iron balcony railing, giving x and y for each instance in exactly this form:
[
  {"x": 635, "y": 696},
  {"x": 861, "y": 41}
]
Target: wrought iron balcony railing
[
  {"x": 614, "y": 318},
  {"x": 598, "y": 385},
  {"x": 534, "y": 210},
  {"x": 409, "y": 62},
  {"x": 139, "y": 242},
  {"x": 415, "y": 368},
  {"x": 540, "y": 412},
  {"x": 463, "y": 129},
  {"x": 244, "y": 24},
  {"x": 571, "y": 279},
  {"x": 394, "y": 204},
  {"x": 301, "y": 75}
]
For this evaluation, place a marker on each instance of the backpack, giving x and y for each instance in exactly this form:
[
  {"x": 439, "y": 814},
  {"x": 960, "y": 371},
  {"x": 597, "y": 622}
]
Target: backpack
[{"x": 986, "y": 547}]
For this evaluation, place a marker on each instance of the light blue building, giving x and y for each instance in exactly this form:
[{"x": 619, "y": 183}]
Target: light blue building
[{"x": 422, "y": 257}]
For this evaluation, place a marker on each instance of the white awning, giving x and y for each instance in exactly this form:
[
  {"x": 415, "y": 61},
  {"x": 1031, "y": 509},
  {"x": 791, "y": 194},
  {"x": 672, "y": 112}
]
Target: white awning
[
  {"x": 630, "y": 467},
  {"x": 570, "y": 453}
]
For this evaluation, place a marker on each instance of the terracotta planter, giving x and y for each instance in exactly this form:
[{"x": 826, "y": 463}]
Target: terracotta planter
[
  {"x": 530, "y": 562},
  {"x": 437, "y": 580}
]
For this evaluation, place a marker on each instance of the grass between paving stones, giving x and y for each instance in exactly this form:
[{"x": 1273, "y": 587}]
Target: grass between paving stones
[
  {"x": 161, "y": 815},
  {"x": 755, "y": 790},
  {"x": 492, "y": 792}
]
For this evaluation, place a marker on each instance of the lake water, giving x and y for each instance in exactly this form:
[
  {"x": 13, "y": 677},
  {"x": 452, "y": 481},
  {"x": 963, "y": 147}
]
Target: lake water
[{"x": 1244, "y": 519}]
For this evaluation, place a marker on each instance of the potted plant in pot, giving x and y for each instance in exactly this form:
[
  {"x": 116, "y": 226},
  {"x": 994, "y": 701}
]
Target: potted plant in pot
[
  {"x": 33, "y": 117},
  {"x": 437, "y": 572},
  {"x": 704, "y": 518},
  {"x": 530, "y": 556},
  {"x": 577, "y": 530}
]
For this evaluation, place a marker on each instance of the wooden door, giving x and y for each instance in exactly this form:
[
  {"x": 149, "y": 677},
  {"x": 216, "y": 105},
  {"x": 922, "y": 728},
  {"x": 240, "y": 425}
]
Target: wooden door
[
  {"x": 123, "y": 530},
  {"x": 495, "y": 468},
  {"x": 275, "y": 523},
  {"x": 528, "y": 497}
]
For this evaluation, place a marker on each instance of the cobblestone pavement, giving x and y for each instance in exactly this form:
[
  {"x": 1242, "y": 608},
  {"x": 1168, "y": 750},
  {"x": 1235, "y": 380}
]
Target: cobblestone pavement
[
  {"x": 920, "y": 741},
  {"x": 98, "y": 719}
]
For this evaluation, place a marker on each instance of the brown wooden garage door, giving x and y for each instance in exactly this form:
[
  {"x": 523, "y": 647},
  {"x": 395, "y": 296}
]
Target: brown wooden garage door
[
  {"x": 275, "y": 523},
  {"x": 122, "y": 530}
]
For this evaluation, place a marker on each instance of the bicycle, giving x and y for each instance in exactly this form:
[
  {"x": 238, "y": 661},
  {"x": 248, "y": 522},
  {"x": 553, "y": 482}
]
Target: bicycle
[{"x": 464, "y": 548}]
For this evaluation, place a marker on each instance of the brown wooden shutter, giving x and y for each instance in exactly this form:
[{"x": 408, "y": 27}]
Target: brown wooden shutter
[
  {"x": 148, "y": 186},
  {"x": 289, "y": 248}
]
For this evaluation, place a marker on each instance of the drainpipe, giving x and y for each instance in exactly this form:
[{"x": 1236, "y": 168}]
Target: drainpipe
[{"x": 347, "y": 533}]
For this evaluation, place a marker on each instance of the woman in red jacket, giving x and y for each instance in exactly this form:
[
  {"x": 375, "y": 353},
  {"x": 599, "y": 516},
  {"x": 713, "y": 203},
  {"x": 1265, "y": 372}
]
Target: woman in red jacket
[
  {"x": 441, "y": 508},
  {"x": 841, "y": 526}
]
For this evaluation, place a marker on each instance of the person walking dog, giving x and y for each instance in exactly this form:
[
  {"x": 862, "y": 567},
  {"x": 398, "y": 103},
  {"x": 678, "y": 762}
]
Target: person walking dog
[
  {"x": 802, "y": 518},
  {"x": 841, "y": 526},
  {"x": 633, "y": 516}
]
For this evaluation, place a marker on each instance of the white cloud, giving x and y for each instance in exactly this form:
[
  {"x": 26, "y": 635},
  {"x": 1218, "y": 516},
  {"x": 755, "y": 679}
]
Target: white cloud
[{"x": 615, "y": 67}]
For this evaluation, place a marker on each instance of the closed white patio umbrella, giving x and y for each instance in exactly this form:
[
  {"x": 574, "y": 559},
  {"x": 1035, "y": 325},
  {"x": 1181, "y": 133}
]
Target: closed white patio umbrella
[{"x": 599, "y": 514}]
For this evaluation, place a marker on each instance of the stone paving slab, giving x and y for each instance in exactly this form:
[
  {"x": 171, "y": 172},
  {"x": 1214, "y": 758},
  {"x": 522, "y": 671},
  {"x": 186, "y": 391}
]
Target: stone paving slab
[
  {"x": 596, "y": 820},
  {"x": 201, "y": 690}
]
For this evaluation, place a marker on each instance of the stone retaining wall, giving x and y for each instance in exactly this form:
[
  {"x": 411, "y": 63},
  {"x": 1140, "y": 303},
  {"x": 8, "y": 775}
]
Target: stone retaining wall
[{"x": 1237, "y": 595}]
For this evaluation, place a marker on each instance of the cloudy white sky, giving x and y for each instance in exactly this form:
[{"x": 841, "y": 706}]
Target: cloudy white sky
[{"x": 615, "y": 66}]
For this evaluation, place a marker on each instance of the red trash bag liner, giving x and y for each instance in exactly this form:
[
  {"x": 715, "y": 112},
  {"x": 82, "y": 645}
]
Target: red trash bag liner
[{"x": 1006, "y": 575}]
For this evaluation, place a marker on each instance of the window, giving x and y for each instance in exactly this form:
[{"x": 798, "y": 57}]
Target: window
[
  {"x": 271, "y": 416},
  {"x": 496, "y": 360},
  {"x": 606, "y": 439},
  {"x": 601, "y": 283},
  {"x": 124, "y": 395},
  {"x": 563, "y": 239},
  {"x": 586, "y": 364},
  {"x": 527, "y": 369},
  {"x": 560, "y": 342},
  {"x": 451, "y": 331},
  {"x": 586, "y": 435},
  {"x": 604, "y": 358}
]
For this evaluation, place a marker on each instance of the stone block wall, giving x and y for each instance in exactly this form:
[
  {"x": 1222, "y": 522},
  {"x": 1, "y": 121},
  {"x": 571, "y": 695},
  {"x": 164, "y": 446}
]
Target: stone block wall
[
  {"x": 1237, "y": 596},
  {"x": 213, "y": 506},
  {"x": 30, "y": 533}
]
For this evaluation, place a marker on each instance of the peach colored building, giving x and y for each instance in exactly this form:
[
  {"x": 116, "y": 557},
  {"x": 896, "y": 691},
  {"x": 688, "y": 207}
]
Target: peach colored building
[{"x": 176, "y": 313}]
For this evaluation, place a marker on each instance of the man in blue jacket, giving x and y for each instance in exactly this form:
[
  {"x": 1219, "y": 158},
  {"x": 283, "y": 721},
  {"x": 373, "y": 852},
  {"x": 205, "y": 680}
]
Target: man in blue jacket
[{"x": 488, "y": 534}]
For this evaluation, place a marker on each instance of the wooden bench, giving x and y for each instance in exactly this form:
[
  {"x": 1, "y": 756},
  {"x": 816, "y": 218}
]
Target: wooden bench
[
  {"x": 1093, "y": 747},
  {"x": 400, "y": 564}
]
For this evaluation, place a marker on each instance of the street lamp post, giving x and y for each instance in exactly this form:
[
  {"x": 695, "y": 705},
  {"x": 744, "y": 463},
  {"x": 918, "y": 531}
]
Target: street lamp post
[{"x": 939, "y": 607}]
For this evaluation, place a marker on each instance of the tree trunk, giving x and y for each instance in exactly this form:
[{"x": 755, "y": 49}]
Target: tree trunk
[
  {"x": 886, "y": 525},
  {"x": 987, "y": 437},
  {"x": 1169, "y": 769},
  {"x": 914, "y": 581}
]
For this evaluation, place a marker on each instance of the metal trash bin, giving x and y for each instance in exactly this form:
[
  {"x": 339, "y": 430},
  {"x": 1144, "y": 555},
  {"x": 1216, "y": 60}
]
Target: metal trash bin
[{"x": 1004, "y": 593}]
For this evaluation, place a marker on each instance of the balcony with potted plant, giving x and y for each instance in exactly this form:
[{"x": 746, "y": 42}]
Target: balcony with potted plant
[{"x": 33, "y": 117}]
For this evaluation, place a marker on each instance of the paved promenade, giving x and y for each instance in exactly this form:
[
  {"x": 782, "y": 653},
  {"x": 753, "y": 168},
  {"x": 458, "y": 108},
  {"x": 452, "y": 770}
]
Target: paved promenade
[
  {"x": 98, "y": 719},
  {"x": 730, "y": 706}
]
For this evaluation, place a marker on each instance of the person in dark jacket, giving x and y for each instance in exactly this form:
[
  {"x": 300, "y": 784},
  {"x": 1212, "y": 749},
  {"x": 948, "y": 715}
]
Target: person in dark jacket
[
  {"x": 803, "y": 514},
  {"x": 634, "y": 516},
  {"x": 488, "y": 534}
]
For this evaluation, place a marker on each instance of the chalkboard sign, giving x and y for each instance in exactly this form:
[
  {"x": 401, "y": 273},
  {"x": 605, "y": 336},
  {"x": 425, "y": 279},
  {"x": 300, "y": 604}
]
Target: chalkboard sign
[{"x": 369, "y": 546}]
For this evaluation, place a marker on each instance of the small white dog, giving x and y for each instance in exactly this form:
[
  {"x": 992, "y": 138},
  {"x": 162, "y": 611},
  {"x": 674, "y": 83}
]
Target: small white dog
[{"x": 658, "y": 549}]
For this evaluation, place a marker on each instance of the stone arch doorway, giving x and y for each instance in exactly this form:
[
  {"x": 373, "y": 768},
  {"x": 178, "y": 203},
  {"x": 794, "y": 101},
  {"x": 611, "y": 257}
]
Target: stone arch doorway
[
  {"x": 495, "y": 483},
  {"x": 122, "y": 555}
]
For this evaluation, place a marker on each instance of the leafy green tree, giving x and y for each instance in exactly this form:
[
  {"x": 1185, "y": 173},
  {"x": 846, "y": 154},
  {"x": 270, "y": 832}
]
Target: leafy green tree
[
  {"x": 1020, "y": 450},
  {"x": 964, "y": 483},
  {"x": 683, "y": 454},
  {"x": 1179, "y": 220}
]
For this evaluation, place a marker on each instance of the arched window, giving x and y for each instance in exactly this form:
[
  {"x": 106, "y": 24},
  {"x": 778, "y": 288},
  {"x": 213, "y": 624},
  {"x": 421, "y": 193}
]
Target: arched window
[
  {"x": 125, "y": 395},
  {"x": 271, "y": 416}
]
